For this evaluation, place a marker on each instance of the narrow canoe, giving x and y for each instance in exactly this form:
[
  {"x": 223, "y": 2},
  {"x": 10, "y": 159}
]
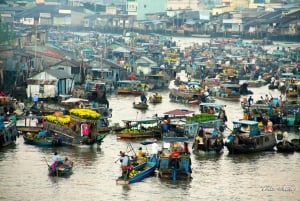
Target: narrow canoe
[{"x": 139, "y": 173}]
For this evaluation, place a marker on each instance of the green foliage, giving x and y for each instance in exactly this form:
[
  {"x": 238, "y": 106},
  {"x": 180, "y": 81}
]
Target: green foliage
[{"x": 201, "y": 117}]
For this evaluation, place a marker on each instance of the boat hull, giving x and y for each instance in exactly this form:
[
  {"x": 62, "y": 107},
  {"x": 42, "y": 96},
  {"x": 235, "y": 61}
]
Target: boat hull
[
  {"x": 285, "y": 147},
  {"x": 60, "y": 171},
  {"x": 264, "y": 142},
  {"x": 141, "y": 106},
  {"x": 296, "y": 143},
  {"x": 42, "y": 141},
  {"x": 145, "y": 170},
  {"x": 9, "y": 134},
  {"x": 175, "y": 168},
  {"x": 138, "y": 135},
  {"x": 71, "y": 138}
]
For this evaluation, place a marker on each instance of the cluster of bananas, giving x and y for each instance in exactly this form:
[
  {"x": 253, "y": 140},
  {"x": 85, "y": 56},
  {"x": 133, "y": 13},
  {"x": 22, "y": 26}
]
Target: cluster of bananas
[
  {"x": 158, "y": 96},
  {"x": 133, "y": 173},
  {"x": 128, "y": 130}
]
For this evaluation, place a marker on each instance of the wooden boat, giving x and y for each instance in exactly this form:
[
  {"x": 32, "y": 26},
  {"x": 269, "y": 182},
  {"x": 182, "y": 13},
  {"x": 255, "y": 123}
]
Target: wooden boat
[
  {"x": 60, "y": 169},
  {"x": 190, "y": 93},
  {"x": 140, "y": 105},
  {"x": 256, "y": 83},
  {"x": 8, "y": 133},
  {"x": 285, "y": 147},
  {"x": 139, "y": 173},
  {"x": 78, "y": 128},
  {"x": 144, "y": 128},
  {"x": 296, "y": 143},
  {"x": 230, "y": 92},
  {"x": 42, "y": 140},
  {"x": 102, "y": 109},
  {"x": 156, "y": 81},
  {"x": 174, "y": 161},
  {"x": 155, "y": 98},
  {"x": 134, "y": 87},
  {"x": 246, "y": 137},
  {"x": 209, "y": 143},
  {"x": 177, "y": 120},
  {"x": 30, "y": 124}
]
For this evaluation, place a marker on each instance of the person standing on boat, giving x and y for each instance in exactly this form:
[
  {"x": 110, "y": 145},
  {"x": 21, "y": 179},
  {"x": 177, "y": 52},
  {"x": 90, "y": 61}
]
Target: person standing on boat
[
  {"x": 56, "y": 157},
  {"x": 143, "y": 98},
  {"x": 35, "y": 99},
  {"x": 55, "y": 161},
  {"x": 154, "y": 149},
  {"x": 125, "y": 165},
  {"x": 250, "y": 100}
]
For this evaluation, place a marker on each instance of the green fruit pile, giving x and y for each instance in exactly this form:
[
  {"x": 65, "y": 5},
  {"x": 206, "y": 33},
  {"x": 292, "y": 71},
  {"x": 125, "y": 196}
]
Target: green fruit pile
[
  {"x": 133, "y": 173},
  {"x": 201, "y": 117}
]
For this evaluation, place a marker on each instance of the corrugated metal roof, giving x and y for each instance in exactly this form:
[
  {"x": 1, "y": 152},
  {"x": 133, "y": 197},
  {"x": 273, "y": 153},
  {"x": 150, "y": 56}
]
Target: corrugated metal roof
[{"x": 59, "y": 74}]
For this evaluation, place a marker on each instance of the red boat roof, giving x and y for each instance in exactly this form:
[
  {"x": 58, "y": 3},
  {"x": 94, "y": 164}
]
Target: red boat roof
[{"x": 180, "y": 112}]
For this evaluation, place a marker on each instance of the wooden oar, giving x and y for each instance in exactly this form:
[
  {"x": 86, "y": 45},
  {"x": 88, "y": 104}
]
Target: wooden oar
[{"x": 47, "y": 162}]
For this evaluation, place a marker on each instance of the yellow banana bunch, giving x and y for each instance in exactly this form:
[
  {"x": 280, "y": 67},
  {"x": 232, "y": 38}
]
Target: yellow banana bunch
[{"x": 133, "y": 173}]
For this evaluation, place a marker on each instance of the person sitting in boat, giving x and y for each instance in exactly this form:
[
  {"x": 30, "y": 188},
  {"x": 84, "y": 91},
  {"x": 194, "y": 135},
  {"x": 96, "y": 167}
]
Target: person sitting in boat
[
  {"x": 210, "y": 110},
  {"x": 126, "y": 166},
  {"x": 200, "y": 136},
  {"x": 42, "y": 134},
  {"x": 67, "y": 162},
  {"x": 140, "y": 152},
  {"x": 143, "y": 98},
  {"x": 269, "y": 127},
  {"x": 214, "y": 133},
  {"x": 140, "y": 156}
]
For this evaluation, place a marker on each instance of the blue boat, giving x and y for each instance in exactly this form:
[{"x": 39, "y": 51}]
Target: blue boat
[
  {"x": 60, "y": 169},
  {"x": 43, "y": 138},
  {"x": 139, "y": 173},
  {"x": 174, "y": 160}
]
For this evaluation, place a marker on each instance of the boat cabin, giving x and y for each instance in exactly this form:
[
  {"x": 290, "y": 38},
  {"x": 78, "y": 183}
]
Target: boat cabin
[
  {"x": 175, "y": 161},
  {"x": 212, "y": 108},
  {"x": 246, "y": 127},
  {"x": 130, "y": 87}
]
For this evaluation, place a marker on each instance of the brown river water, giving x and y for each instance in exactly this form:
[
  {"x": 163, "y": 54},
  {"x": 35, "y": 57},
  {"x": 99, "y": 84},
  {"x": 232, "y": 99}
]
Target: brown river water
[{"x": 262, "y": 176}]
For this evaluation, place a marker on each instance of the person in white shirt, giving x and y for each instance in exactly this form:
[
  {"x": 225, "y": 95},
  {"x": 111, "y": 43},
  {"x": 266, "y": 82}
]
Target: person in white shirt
[
  {"x": 55, "y": 157},
  {"x": 154, "y": 148},
  {"x": 125, "y": 165}
]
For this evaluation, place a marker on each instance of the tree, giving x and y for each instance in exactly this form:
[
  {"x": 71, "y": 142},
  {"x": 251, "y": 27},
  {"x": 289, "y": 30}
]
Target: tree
[{"x": 6, "y": 35}]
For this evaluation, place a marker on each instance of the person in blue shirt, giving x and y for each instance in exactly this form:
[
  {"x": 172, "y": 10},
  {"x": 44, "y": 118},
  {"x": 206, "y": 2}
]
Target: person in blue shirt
[
  {"x": 214, "y": 133},
  {"x": 143, "y": 98}
]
